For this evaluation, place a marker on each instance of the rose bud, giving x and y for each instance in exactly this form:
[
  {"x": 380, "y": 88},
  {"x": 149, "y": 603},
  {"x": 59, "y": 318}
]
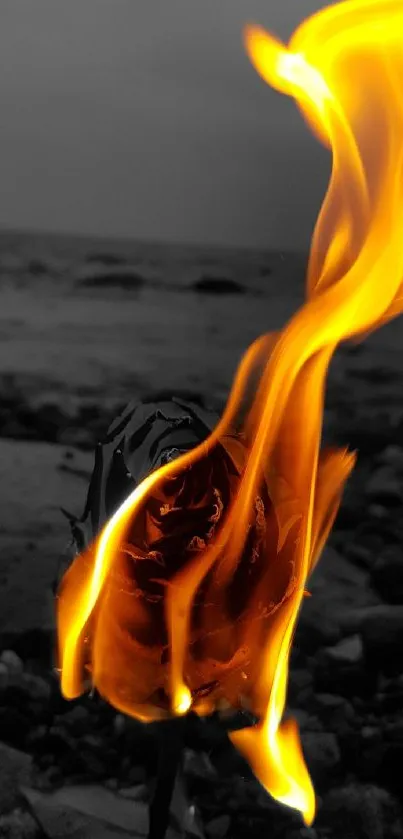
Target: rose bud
[{"x": 127, "y": 632}]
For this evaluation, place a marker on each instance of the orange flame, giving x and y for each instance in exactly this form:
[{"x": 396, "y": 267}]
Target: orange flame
[{"x": 343, "y": 67}]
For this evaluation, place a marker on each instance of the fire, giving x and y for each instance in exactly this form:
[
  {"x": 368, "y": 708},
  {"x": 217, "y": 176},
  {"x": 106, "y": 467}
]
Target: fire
[{"x": 343, "y": 67}]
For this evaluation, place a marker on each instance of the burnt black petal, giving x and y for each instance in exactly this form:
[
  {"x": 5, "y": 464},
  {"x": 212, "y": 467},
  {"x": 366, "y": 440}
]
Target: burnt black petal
[{"x": 118, "y": 485}]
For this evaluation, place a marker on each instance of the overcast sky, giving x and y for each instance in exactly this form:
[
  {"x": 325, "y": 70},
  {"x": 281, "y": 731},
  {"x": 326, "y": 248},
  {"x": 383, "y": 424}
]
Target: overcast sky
[{"x": 144, "y": 118}]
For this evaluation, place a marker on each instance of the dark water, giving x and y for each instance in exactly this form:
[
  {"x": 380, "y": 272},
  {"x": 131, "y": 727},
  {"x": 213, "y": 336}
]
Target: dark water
[{"x": 109, "y": 318}]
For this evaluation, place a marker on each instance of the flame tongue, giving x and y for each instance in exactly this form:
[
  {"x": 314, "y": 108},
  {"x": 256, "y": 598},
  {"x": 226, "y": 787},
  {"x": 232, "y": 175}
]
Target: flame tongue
[{"x": 354, "y": 284}]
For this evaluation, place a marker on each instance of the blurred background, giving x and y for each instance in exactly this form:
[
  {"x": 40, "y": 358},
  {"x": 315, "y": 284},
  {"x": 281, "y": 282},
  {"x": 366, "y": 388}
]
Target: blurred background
[{"x": 156, "y": 207}]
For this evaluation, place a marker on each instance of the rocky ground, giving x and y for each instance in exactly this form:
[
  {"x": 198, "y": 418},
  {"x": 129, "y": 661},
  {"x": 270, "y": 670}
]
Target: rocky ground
[{"x": 71, "y": 767}]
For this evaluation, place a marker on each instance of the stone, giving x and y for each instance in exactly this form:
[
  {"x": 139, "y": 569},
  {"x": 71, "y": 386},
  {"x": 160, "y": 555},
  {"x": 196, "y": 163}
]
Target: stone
[
  {"x": 360, "y": 555},
  {"x": 382, "y": 637},
  {"x": 218, "y": 285},
  {"x": 119, "y": 724},
  {"x": 19, "y": 825},
  {"x": 137, "y": 793},
  {"x": 14, "y": 726},
  {"x": 379, "y": 513},
  {"x": 384, "y": 487},
  {"x": 12, "y": 661},
  {"x": 340, "y": 668},
  {"x": 197, "y": 765},
  {"x": 37, "y": 267},
  {"x": 15, "y": 771},
  {"x": 27, "y": 695},
  {"x": 218, "y": 828},
  {"x": 4, "y": 676},
  {"x": 390, "y": 699},
  {"x": 338, "y": 589},
  {"x": 31, "y": 510},
  {"x": 37, "y": 688},
  {"x": 108, "y": 259},
  {"x": 363, "y": 752},
  {"x": 335, "y": 712},
  {"x": 387, "y": 574},
  {"x": 76, "y": 720},
  {"x": 358, "y": 811},
  {"x": 299, "y": 686},
  {"x": 391, "y": 456},
  {"x": 316, "y": 628},
  {"x": 86, "y": 811},
  {"x": 348, "y": 652},
  {"x": 121, "y": 278},
  {"x": 392, "y": 757},
  {"x": 322, "y": 755}
]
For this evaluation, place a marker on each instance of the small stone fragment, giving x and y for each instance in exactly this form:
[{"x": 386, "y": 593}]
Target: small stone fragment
[
  {"x": 322, "y": 755},
  {"x": 18, "y": 825},
  {"x": 387, "y": 574},
  {"x": 12, "y": 661},
  {"x": 384, "y": 487},
  {"x": 15, "y": 770},
  {"x": 218, "y": 828}
]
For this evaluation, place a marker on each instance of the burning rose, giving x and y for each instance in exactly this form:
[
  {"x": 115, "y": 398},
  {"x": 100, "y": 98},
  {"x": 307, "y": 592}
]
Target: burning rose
[
  {"x": 179, "y": 519},
  {"x": 192, "y": 589},
  {"x": 143, "y": 438}
]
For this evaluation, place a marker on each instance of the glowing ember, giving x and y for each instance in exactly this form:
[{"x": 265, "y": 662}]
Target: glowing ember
[{"x": 221, "y": 644}]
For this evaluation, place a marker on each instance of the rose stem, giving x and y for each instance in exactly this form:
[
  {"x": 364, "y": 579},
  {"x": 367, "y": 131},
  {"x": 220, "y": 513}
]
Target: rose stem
[{"x": 170, "y": 736}]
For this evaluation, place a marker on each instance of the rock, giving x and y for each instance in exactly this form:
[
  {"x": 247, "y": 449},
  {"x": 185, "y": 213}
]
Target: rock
[
  {"x": 338, "y": 589},
  {"x": 369, "y": 433},
  {"x": 360, "y": 812},
  {"x": 77, "y": 720},
  {"x": 390, "y": 699},
  {"x": 348, "y": 653},
  {"x": 387, "y": 574},
  {"x": 218, "y": 828},
  {"x": 360, "y": 555},
  {"x": 362, "y": 750},
  {"x": 389, "y": 772},
  {"x": 379, "y": 512},
  {"x": 382, "y": 636},
  {"x": 306, "y": 721},
  {"x": 53, "y": 741},
  {"x": 14, "y": 727},
  {"x": 50, "y": 779},
  {"x": 15, "y": 770},
  {"x": 38, "y": 689},
  {"x": 197, "y": 765},
  {"x": 19, "y": 825},
  {"x": 340, "y": 668},
  {"x": 299, "y": 686},
  {"x": 4, "y": 676},
  {"x": 385, "y": 487},
  {"x": 335, "y": 712},
  {"x": 31, "y": 500},
  {"x": 322, "y": 755},
  {"x": 12, "y": 661},
  {"x": 137, "y": 793},
  {"x": 37, "y": 267},
  {"x": 391, "y": 456},
  {"x": 119, "y": 724},
  {"x": 369, "y": 754},
  {"x": 36, "y": 643},
  {"x": 27, "y": 695},
  {"x": 123, "y": 279},
  {"x": 108, "y": 259},
  {"x": 316, "y": 627},
  {"x": 218, "y": 285},
  {"x": 87, "y": 811}
]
